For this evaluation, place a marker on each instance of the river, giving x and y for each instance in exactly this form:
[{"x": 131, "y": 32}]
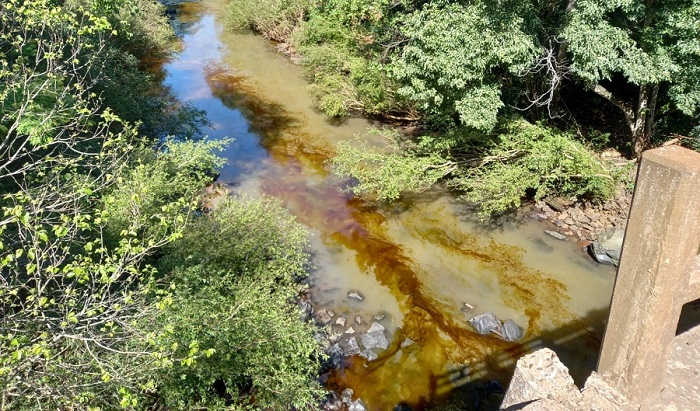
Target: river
[{"x": 416, "y": 263}]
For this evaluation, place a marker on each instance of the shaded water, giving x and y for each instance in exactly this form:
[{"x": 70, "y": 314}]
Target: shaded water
[{"x": 415, "y": 263}]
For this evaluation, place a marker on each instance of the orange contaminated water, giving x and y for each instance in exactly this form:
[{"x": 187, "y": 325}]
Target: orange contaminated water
[{"x": 416, "y": 262}]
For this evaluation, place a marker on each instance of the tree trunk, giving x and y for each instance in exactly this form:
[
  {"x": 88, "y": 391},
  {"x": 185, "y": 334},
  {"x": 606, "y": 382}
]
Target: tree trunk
[
  {"x": 639, "y": 120},
  {"x": 562, "y": 65},
  {"x": 644, "y": 117}
]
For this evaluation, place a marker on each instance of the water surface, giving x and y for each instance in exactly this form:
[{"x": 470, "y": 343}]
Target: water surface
[{"x": 416, "y": 263}]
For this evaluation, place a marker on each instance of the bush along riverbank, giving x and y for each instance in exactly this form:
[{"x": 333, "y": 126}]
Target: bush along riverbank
[{"x": 117, "y": 290}]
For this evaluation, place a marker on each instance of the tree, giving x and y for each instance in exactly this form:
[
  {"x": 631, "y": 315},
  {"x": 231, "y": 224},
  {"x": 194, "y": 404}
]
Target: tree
[
  {"x": 653, "y": 46},
  {"x": 455, "y": 55},
  {"x": 87, "y": 321}
]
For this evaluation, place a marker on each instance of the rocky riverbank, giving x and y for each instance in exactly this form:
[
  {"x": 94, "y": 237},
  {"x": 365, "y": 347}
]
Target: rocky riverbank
[{"x": 597, "y": 226}]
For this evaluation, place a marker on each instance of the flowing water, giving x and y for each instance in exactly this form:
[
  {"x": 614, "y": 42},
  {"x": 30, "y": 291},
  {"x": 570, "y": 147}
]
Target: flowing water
[{"x": 416, "y": 263}]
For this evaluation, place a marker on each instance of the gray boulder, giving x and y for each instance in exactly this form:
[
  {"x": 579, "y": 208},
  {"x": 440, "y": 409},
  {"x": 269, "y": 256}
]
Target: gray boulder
[
  {"x": 511, "y": 331},
  {"x": 306, "y": 309},
  {"x": 374, "y": 339},
  {"x": 346, "y": 397},
  {"x": 335, "y": 356},
  {"x": 357, "y": 405},
  {"x": 353, "y": 347},
  {"x": 375, "y": 327},
  {"x": 332, "y": 403},
  {"x": 607, "y": 248},
  {"x": 369, "y": 354},
  {"x": 485, "y": 323}
]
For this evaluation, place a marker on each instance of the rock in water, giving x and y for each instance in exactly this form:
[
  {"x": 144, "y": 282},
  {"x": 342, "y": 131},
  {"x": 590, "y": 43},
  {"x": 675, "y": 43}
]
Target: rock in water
[
  {"x": 511, "y": 331},
  {"x": 355, "y": 295},
  {"x": 353, "y": 347},
  {"x": 556, "y": 235},
  {"x": 335, "y": 356},
  {"x": 407, "y": 342},
  {"x": 607, "y": 248},
  {"x": 485, "y": 323},
  {"x": 369, "y": 354},
  {"x": 323, "y": 317},
  {"x": 332, "y": 403},
  {"x": 374, "y": 339},
  {"x": 357, "y": 405},
  {"x": 376, "y": 327},
  {"x": 346, "y": 397}
]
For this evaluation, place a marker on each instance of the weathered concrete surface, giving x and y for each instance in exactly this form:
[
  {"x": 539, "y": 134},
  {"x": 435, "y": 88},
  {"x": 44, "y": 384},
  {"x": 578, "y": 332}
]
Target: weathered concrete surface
[
  {"x": 661, "y": 247},
  {"x": 540, "y": 375},
  {"x": 544, "y": 405},
  {"x": 680, "y": 384}
]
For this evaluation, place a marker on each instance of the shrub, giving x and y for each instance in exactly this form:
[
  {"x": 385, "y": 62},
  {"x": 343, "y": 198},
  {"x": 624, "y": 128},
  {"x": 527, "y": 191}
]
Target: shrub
[
  {"x": 274, "y": 19},
  {"x": 235, "y": 278},
  {"x": 520, "y": 158}
]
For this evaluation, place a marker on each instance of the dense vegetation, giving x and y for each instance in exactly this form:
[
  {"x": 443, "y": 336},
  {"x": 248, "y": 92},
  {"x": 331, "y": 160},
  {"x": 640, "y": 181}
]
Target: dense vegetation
[
  {"x": 116, "y": 291},
  {"x": 586, "y": 74}
]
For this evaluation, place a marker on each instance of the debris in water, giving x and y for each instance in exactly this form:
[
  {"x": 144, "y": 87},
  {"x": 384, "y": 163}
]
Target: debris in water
[{"x": 355, "y": 295}]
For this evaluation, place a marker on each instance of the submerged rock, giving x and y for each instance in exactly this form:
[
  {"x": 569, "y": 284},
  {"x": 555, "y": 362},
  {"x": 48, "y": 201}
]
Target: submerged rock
[
  {"x": 374, "y": 339},
  {"x": 369, "y": 354},
  {"x": 556, "y": 235},
  {"x": 357, "y": 405},
  {"x": 353, "y": 347},
  {"x": 511, "y": 331},
  {"x": 340, "y": 321},
  {"x": 485, "y": 323},
  {"x": 355, "y": 295},
  {"x": 607, "y": 248}
]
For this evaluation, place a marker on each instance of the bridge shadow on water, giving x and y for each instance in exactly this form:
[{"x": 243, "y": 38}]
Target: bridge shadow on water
[
  {"x": 577, "y": 344},
  {"x": 476, "y": 386}
]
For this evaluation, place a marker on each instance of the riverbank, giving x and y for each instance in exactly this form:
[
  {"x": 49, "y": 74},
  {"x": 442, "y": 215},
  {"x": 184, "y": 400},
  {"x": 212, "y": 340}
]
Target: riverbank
[{"x": 582, "y": 221}]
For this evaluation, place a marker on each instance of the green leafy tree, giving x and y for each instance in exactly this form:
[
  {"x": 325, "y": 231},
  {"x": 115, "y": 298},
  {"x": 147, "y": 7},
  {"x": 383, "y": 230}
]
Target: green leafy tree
[
  {"x": 455, "y": 56},
  {"x": 651, "y": 46}
]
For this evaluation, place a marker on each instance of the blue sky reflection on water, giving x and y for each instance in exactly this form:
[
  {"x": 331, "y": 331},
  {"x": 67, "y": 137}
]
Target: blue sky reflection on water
[{"x": 187, "y": 76}]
